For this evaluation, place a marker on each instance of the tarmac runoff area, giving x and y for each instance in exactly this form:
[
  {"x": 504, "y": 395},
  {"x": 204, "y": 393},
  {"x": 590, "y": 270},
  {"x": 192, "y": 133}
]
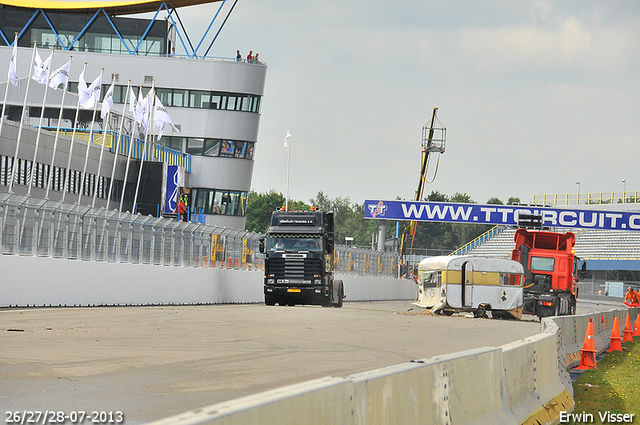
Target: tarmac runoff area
[{"x": 153, "y": 362}]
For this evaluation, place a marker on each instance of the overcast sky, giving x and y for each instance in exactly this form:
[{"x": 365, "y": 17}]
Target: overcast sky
[{"x": 535, "y": 95}]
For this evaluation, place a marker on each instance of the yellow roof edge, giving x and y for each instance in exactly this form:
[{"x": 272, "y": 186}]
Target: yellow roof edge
[{"x": 117, "y": 7}]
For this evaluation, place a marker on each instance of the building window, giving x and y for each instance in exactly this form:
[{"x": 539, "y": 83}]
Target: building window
[{"x": 219, "y": 202}]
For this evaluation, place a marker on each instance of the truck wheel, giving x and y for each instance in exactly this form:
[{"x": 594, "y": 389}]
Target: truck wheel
[
  {"x": 340, "y": 296},
  {"x": 270, "y": 299}
]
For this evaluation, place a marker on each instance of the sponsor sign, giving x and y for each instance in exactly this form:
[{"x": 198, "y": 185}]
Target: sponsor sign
[
  {"x": 500, "y": 214},
  {"x": 287, "y": 221}
]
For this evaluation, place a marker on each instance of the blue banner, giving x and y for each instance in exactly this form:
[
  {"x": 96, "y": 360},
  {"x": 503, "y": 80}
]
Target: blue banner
[
  {"x": 172, "y": 187},
  {"x": 500, "y": 214}
]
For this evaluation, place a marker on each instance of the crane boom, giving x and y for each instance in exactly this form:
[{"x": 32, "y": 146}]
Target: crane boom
[{"x": 433, "y": 140}]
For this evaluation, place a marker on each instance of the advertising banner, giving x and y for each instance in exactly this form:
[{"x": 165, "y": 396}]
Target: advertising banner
[
  {"x": 174, "y": 181},
  {"x": 500, "y": 214}
]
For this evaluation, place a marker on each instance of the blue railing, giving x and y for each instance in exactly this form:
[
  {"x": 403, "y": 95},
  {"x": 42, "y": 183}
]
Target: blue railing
[{"x": 120, "y": 146}]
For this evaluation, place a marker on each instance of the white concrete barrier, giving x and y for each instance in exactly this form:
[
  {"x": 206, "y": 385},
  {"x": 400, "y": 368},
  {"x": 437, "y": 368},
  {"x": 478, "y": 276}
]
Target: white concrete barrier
[{"x": 45, "y": 281}]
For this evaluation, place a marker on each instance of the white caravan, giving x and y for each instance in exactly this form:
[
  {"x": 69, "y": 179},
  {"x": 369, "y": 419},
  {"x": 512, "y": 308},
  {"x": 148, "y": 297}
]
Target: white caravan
[{"x": 449, "y": 284}]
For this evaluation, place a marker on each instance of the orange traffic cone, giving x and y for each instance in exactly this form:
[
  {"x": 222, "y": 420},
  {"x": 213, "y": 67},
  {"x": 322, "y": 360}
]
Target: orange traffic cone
[
  {"x": 627, "y": 329},
  {"x": 636, "y": 326},
  {"x": 588, "y": 359},
  {"x": 615, "y": 344}
]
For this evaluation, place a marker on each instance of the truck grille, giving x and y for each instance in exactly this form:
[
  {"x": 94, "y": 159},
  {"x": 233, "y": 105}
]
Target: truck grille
[{"x": 295, "y": 268}]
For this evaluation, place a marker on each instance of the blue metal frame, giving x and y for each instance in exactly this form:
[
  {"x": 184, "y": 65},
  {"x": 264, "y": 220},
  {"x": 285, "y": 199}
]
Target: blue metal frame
[
  {"x": 195, "y": 51},
  {"x": 182, "y": 34}
]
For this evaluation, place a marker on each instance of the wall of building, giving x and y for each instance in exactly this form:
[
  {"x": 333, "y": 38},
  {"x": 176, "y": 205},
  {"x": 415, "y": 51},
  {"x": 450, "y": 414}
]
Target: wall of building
[{"x": 212, "y": 75}]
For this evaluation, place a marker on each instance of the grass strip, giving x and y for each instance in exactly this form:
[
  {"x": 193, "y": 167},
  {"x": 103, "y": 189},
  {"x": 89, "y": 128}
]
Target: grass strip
[{"x": 611, "y": 389}]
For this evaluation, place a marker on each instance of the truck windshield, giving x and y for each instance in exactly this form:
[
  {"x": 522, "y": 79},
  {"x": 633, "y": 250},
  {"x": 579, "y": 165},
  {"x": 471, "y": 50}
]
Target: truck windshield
[
  {"x": 544, "y": 264},
  {"x": 295, "y": 244}
]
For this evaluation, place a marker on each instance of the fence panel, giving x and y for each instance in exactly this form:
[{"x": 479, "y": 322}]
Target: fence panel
[{"x": 35, "y": 227}]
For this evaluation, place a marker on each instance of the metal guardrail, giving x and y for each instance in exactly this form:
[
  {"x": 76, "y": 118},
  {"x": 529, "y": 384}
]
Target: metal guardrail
[
  {"x": 597, "y": 198},
  {"x": 35, "y": 227}
]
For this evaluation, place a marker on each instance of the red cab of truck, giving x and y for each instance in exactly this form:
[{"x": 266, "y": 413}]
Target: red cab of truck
[{"x": 550, "y": 271}]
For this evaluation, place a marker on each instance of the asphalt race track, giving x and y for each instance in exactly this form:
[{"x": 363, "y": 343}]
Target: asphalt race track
[{"x": 154, "y": 362}]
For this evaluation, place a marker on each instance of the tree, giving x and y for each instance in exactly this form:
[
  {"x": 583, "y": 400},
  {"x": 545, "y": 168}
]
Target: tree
[
  {"x": 495, "y": 201},
  {"x": 259, "y": 209},
  {"x": 513, "y": 200}
]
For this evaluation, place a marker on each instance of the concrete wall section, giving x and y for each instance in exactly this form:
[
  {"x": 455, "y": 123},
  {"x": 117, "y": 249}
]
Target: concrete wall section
[{"x": 35, "y": 281}]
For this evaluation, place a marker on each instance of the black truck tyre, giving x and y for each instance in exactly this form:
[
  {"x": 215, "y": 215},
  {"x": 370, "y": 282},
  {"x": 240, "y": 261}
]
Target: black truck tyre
[
  {"x": 269, "y": 299},
  {"x": 340, "y": 295}
]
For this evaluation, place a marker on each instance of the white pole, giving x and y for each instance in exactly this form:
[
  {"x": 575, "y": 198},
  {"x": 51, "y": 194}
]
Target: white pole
[
  {"x": 150, "y": 104},
  {"x": 286, "y": 202},
  {"x": 105, "y": 121},
  {"x": 55, "y": 142},
  {"x": 6, "y": 92},
  {"x": 24, "y": 107},
  {"x": 131, "y": 141},
  {"x": 35, "y": 152},
  {"x": 67, "y": 183},
  {"x": 89, "y": 142},
  {"x": 118, "y": 140}
]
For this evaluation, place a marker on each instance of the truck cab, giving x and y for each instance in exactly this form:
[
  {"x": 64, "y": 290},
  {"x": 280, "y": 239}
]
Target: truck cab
[
  {"x": 551, "y": 271},
  {"x": 299, "y": 259}
]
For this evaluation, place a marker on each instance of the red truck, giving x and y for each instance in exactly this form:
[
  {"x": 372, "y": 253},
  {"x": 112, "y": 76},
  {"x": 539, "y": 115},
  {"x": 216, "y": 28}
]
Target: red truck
[{"x": 551, "y": 271}]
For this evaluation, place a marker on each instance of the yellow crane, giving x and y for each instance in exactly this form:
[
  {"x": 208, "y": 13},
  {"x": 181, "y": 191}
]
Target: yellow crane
[{"x": 433, "y": 141}]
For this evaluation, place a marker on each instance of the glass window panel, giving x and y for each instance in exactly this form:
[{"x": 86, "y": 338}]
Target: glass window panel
[
  {"x": 200, "y": 99},
  {"x": 195, "y": 146},
  {"x": 231, "y": 102},
  {"x": 216, "y": 101},
  {"x": 246, "y": 103},
  {"x": 243, "y": 204},
  {"x": 180, "y": 98},
  {"x": 234, "y": 203},
  {"x": 164, "y": 95},
  {"x": 240, "y": 149},
  {"x": 211, "y": 147},
  {"x": 226, "y": 148},
  {"x": 220, "y": 201},
  {"x": 250, "y": 147}
]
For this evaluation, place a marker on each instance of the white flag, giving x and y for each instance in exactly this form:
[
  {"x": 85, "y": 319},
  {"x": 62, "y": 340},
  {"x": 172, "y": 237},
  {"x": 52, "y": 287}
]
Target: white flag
[
  {"x": 139, "y": 111},
  {"x": 107, "y": 103},
  {"x": 133, "y": 104},
  {"x": 161, "y": 117},
  {"x": 60, "y": 76},
  {"x": 89, "y": 95},
  {"x": 41, "y": 68},
  {"x": 13, "y": 72},
  {"x": 146, "y": 111},
  {"x": 83, "y": 92},
  {"x": 287, "y": 139}
]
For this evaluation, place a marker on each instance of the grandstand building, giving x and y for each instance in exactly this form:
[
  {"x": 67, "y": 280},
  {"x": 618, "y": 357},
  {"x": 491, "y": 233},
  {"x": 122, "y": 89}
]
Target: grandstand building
[{"x": 213, "y": 102}]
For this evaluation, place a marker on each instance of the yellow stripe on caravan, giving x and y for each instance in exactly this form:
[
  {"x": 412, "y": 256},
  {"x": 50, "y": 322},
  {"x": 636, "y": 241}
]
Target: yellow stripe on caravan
[{"x": 478, "y": 277}]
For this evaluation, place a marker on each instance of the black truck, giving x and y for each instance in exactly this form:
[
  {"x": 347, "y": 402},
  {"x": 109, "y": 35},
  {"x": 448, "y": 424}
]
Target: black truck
[{"x": 299, "y": 260}]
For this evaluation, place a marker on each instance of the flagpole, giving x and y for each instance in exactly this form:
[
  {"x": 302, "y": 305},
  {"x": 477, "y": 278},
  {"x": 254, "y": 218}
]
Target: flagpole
[
  {"x": 150, "y": 104},
  {"x": 118, "y": 141},
  {"x": 131, "y": 142},
  {"x": 55, "y": 141},
  {"x": 6, "y": 90},
  {"x": 44, "y": 99},
  {"x": 67, "y": 183},
  {"x": 24, "y": 107},
  {"x": 286, "y": 203},
  {"x": 105, "y": 122},
  {"x": 90, "y": 142}
]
